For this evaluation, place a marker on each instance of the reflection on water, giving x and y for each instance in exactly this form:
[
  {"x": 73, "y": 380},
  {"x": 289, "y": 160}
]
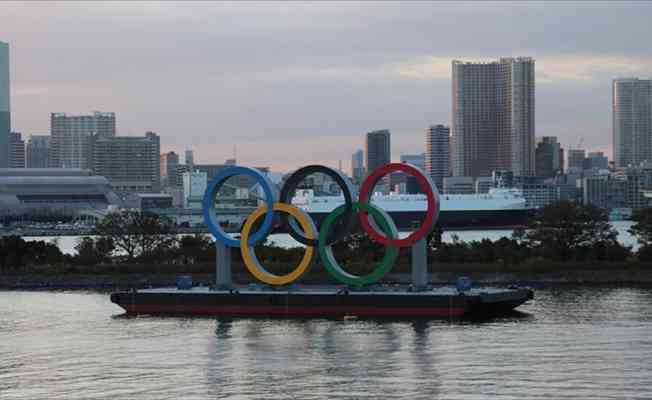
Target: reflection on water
[{"x": 568, "y": 343}]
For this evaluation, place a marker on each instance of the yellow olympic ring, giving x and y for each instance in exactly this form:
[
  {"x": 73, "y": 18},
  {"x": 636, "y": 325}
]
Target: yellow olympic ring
[{"x": 249, "y": 256}]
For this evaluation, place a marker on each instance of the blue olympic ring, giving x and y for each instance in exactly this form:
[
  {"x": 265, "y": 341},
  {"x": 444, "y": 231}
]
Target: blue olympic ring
[{"x": 209, "y": 205}]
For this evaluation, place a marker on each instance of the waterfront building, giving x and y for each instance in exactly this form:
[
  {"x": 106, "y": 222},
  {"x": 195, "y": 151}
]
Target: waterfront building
[
  {"x": 604, "y": 190},
  {"x": 148, "y": 201},
  {"x": 5, "y": 116},
  {"x": 54, "y": 191},
  {"x": 71, "y": 142},
  {"x": 357, "y": 166},
  {"x": 576, "y": 159},
  {"x": 130, "y": 163},
  {"x": 638, "y": 179},
  {"x": 632, "y": 121},
  {"x": 16, "y": 150},
  {"x": 459, "y": 185},
  {"x": 194, "y": 186},
  {"x": 169, "y": 163},
  {"x": 37, "y": 151},
  {"x": 437, "y": 158},
  {"x": 493, "y": 117},
  {"x": 537, "y": 191},
  {"x": 549, "y": 156}
]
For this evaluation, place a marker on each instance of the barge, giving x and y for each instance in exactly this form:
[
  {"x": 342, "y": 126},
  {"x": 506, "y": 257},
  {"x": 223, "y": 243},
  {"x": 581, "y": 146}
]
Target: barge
[{"x": 312, "y": 301}]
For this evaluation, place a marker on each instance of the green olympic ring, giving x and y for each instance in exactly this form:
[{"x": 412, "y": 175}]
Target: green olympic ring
[{"x": 326, "y": 252}]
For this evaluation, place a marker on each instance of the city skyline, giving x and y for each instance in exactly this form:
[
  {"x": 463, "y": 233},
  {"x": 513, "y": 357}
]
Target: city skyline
[{"x": 305, "y": 85}]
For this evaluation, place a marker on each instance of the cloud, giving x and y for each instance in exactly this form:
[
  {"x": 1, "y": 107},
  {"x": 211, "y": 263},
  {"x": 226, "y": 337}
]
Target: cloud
[
  {"x": 591, "y": 68},
  {"x": 549, "y": 68},
  {"x": 211, "y": 75}
]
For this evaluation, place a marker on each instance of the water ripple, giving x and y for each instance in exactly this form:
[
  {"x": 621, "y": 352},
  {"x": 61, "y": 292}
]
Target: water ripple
[{"x": 569, "y": 343}]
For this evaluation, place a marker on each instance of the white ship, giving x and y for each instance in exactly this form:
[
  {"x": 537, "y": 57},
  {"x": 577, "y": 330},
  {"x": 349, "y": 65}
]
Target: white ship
[{"x": 499, "y": 208}]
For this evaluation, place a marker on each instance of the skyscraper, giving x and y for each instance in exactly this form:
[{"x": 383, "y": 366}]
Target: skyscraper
[
  {"x": 5, "y": 117},
  {"x": 548, "y": 155},
  {"x": 493, "y": 117},
  {"x": 377, "y": 149},
  {"x": 576, "y": 159},
  {"x": 357, "y": 165},
  {"x": 190, "y": 159},
  {"x": 130, "y": 163},
  {"x": 632, "y": 121},
  {"x": 169, "y": 166},
  {"x": 38, "y": 148},
  {"x": 70, "y": 142},
  {"x": 438, "y": 154},
  {"x": 16, "y": 150}
]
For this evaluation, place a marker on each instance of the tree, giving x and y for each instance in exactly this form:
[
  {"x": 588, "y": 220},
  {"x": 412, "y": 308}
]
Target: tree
[
  {"x": 138, "y": 234},
  {"x": 194, "y": 248},
  {"x": 562, "y": 229},
  {"x": 15, "y": 252},
  {"x": 92, "y": 251},
  {"x": 642, "y": 229}
]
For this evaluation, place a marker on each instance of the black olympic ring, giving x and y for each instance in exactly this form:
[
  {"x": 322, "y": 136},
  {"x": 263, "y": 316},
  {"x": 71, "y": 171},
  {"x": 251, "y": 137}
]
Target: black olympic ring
[{"x": 341, "y": 229}]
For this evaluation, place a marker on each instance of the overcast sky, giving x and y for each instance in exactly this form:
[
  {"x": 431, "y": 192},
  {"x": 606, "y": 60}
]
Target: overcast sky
[{"x": 292, "y": 83}]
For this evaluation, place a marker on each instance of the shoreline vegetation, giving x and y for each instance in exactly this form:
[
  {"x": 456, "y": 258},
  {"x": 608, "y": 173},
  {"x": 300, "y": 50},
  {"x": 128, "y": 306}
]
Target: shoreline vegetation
[{"x": 565, "y": 243}]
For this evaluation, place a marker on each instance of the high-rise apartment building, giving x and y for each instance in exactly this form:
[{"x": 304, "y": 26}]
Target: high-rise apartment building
[
  {"x": 438, "y": 154},
  {"x": 596, "y": 160},
  {"x": 70, "y": 143},
  {"x": 169, "y": 166},
  {"x": 16, "y": 150},
  {"x": 408, "y": 183},
  {"x": 632, "y": 121},
  {"x": 549, "y": 156},
  {"x": 5, "y": 117},
  {"x": 576, "y": 159},
  {"x": 377, "y": 149},
  {"x": 130, "y": 163},
  {"x": 37, "y": 152},
  {"x": 493, "y": 117},
  {"x": 357, "y": 165},
  {"x": 418, "y": 160},
  {"x": 190, "y": 159}
]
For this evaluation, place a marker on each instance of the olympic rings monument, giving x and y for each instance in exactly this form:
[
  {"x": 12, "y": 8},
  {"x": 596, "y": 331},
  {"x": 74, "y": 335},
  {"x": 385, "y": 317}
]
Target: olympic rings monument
[{"x": 355, "y": 295}]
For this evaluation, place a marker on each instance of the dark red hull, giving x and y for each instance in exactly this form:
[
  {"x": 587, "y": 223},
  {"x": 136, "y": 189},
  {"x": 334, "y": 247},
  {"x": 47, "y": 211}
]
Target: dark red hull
[{"x": 308, "y": 303}]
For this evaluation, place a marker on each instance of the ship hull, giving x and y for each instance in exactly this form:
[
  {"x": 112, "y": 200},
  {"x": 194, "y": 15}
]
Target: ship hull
[
  {"x": 320, "y": 303},
  {"x": 467, "y": 219}
]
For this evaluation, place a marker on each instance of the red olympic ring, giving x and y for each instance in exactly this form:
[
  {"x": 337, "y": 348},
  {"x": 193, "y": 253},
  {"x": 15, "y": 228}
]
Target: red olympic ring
[{"x": 432, "y": 212}]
